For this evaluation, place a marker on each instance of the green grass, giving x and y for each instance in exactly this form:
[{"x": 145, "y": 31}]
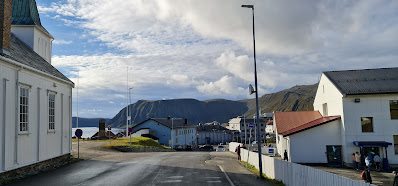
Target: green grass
[
  {"x": 253, "y": 169},
  {"x": 139, "y": 142}
]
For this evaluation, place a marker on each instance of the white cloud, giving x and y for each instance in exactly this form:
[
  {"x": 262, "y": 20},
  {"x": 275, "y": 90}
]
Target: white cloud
[
  {"x": 203, "y": 48},
  {"x": 62, "y": 42},
  {"x": 224, "y": 87}
]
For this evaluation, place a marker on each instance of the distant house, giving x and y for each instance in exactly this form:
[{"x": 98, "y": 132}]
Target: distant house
[
  {"x": 35, "y": 98},
  {"x": 269, "y": 127},
  {"x": 170, "y": 131},
  {"x": 358, "y": 112}
]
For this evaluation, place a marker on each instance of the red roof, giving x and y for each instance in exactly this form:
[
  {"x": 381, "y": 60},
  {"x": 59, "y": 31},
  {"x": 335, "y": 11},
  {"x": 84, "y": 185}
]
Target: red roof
[
  {"x": 285, "y": 121},
  {"x": 311, "y": 124},
  {"x": 269, "y": 122}
]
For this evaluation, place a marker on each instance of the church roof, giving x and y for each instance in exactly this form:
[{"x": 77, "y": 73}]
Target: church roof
[
  {"x": 24, "y": 12},
  {"x": 23, "y": 54}
]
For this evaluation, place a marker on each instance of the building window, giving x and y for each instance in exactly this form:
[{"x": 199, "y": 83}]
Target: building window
[
  {"x": 23, "y": 109},
  {"x": 176, "y": 140},
  {"x": 51, "y": 111},
  {"x": 367, "y": 124},
  {"x": 325, "y": 109},
  {"x": 396, "y": 144},
  {"x": 394, "y": 109},
  {"x": 176, "y": 133}
]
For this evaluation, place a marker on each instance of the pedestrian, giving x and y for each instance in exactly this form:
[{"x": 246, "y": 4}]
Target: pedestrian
[
  {"x": 285, "y": 156},
  {"x": 367, "y": 173},
  {"x": 357, "y": 160},
  {"x": 354, "y": 163},
  {"x": 367, "y": 162},
  {"x": 395, "y": 178},
  {"x": 377, "y": 161},
  {"x": 237, "y": 150}
]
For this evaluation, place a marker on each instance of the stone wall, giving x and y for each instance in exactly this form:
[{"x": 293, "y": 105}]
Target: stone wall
[{"x": 34, "y": 169}]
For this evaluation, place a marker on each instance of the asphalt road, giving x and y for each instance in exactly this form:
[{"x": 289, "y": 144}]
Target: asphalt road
[{"x": 167, "y": 168}]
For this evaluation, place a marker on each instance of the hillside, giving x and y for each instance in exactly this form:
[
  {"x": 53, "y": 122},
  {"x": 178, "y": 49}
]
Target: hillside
[
  {"x": 195, "y": 111},
  {"x": 297, "y": 98}
]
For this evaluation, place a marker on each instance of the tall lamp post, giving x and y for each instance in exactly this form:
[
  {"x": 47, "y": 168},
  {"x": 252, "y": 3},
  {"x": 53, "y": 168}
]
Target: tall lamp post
[
  {"x": 129, "y": 112},
  {"x": 255, "y": 84}
]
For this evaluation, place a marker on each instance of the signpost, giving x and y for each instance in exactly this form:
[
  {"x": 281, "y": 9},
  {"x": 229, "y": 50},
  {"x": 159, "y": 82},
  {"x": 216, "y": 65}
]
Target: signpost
[
  {"x": 78, "y": 134},
  {"x": 109, "y": 133},
  {"x": 251, "y": 126},
  {"x": 130, "y": 131}
]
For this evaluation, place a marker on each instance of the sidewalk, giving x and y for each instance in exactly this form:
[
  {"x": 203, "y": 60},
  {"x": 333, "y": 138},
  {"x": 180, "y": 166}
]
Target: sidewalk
[
  {"x": 379, "y": 178},
  {"x": 238, "y": 174}
]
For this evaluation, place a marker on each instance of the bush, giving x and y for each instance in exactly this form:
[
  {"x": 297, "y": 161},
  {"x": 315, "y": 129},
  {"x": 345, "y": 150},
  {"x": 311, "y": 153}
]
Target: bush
[{"x": 271, "y": 140}]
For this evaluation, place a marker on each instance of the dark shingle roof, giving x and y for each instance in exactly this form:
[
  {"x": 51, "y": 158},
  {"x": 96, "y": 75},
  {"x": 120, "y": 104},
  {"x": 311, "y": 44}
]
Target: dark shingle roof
[
  {"x": 367, "y": 81},
  {"x": 176, "y": 123},
  {"x": 23, "y": 54},
  {"x": 24, "y": 12}
]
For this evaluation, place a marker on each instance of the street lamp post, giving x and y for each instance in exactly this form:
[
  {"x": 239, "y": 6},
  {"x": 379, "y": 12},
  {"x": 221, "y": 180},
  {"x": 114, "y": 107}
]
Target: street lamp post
[
  {"x": 129, "y": 113},
  {"x": 171, "y": 135},
  {"x": 214, "y": 136},
  {"x": 255, "y": 84}
]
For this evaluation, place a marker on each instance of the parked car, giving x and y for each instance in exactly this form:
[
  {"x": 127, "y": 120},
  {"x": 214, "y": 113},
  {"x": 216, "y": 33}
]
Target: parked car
[
  {"x": 220, "y": 149},
  {"x": 178, "y": 148},
  {"x": 188, "y": 148},
  {"x": 206, "y": 148}
]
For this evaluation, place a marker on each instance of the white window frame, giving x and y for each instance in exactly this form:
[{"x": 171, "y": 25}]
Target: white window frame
[
  {"x": 51, "y": 111},
  {"x": 23, "y": 114}
]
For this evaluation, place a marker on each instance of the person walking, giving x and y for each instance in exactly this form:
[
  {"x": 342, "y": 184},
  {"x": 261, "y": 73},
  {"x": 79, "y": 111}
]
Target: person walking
[
  {"x": 354, "y": 163},
  {"x": 395, "y": 178},
  {"x": 237, "y": 150},
  {"x": 367, "y": 162},
  {"x": 357, "y": 160},
  {"x": 377, "y": 161},
  {"x": 285, "y": 156},
  {"x": 367, "y": 173}
]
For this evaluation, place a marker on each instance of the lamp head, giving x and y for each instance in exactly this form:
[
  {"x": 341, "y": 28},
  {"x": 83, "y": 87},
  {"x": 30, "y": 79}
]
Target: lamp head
[{"x": 248, "y": 6}]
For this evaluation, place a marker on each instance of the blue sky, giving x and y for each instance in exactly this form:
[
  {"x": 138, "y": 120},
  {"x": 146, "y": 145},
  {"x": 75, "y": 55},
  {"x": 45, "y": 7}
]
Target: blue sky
[{"x": 203, "y": 49}]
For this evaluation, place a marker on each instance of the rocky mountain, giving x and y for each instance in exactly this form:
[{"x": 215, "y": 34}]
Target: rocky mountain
[
  {"x": 297, "y": 98},
  {"x": 195, "y": 111}
]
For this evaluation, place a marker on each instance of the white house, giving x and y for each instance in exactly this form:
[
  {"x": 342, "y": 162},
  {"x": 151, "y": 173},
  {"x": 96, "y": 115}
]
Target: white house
[
  {"x": 35, "y": 98},
  {"x": 364, "y": 104},
  {"x": 169, "y": 131}
]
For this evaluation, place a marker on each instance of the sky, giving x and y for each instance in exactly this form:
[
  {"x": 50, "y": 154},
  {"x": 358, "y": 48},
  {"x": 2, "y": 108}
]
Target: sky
[{"x": 203, "y": 49}]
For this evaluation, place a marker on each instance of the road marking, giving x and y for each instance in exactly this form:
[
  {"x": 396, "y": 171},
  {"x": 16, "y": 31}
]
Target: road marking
[
  {"x": 175, "y": 177},
  {"x": 229, "y": 180},
  {"x": 217, "y": 181},
  {"x": 172, "y": 181}
]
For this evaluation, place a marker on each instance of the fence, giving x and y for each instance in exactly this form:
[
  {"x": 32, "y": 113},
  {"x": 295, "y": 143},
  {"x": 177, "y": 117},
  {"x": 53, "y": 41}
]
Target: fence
[{"x": 293, "y": 174}]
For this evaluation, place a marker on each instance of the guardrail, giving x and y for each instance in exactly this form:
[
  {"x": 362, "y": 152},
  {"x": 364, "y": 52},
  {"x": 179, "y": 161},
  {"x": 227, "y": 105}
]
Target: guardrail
[{"x": 292, "y": 174}]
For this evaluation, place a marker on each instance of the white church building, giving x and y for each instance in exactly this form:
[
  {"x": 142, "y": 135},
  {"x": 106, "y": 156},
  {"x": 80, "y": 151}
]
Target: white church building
[
  {"x": 354, "y": 111},
  {"x": 35, "y": 98}
]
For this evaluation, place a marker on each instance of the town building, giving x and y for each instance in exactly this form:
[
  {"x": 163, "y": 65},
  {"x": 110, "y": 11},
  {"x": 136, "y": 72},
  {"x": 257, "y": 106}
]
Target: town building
[
  {"x": 169, "y": 131},
  {"x": 241, "y": 124},
  {"x": 35, "y": 98},
  {"x": 215, "y": 134},
  {"x": 355, "y": 111}
]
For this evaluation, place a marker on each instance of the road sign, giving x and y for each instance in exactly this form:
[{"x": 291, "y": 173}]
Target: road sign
[
  {"x": 270, "y": 151},
  {"x": 78, "y": 133},
  {"x": 251, "y": 125},
  {"x": 130, "y": 130}
]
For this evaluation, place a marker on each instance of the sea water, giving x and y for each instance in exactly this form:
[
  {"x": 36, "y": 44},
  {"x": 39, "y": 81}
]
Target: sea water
[{"x": 88, "y": 132}]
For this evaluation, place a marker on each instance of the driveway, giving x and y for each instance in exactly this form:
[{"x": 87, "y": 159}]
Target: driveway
[{"x": 108, "y": 167}]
